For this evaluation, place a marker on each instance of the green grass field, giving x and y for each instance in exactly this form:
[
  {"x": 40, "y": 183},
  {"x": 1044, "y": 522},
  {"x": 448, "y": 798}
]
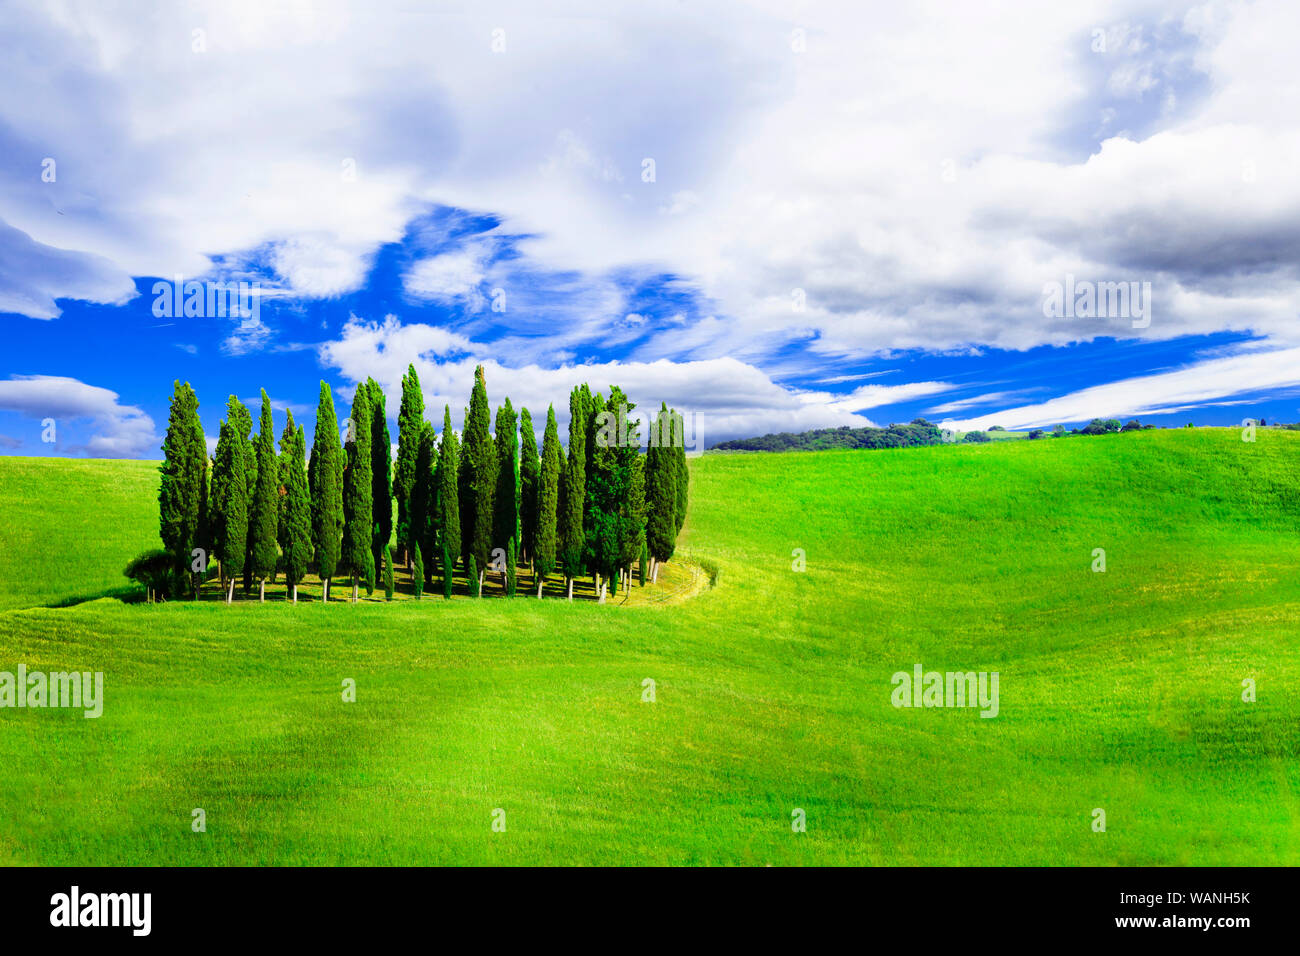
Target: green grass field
[{"x": 1119, "y": 690}]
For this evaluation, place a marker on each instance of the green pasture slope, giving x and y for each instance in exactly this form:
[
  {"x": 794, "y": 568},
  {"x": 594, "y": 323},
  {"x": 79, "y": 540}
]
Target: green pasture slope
[{"x": 1119, "y": 690}]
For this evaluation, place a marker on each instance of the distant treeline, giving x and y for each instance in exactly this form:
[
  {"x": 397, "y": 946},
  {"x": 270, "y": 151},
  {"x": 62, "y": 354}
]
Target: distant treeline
[{"x": 917, "y": 432}]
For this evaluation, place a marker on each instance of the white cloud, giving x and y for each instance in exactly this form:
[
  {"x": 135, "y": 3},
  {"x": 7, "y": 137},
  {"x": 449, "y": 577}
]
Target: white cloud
[
  {"x": 1199, "y": 384},
  {"x": 117, "y": 431}
]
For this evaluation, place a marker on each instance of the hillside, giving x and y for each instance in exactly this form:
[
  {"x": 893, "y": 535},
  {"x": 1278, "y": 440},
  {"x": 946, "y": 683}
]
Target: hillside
[{"x": 1119, "y": 690}]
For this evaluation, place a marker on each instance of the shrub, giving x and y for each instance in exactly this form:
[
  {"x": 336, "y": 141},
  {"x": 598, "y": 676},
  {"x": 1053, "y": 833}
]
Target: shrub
[{"x": 975, "y": 437}]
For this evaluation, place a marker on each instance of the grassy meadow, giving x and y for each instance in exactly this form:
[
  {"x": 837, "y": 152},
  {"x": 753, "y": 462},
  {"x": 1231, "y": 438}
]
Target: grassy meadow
[{"x": 1118, "y": 690}]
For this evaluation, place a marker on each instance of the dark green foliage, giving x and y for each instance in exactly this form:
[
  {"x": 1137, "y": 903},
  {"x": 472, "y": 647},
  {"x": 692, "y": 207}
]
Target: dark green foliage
[
  {"x": 1099, "y": 426},
  {"x": 661, "y": 488},
  {"x": 976, "y": 437},
  {"x": 546, "y": 507},
  {"x": 241, "y": 421},
  {"x": 472, "y": 573},
  {"x": 1036, "y": 433},
  {"x": 593, "y": 516},
  {"x": 481, "y": 472},
  {"x": 230, "y": 502},
  {"x": 388, "y": 572},
  {"x": 678, "y": 452},
  {"x": 505, "y": 522},
  {"x": 410, "y": 429},
  {"x": 571, "y": 537},
  {"x": 326, "y": 486},
  {"x": 448, "y": 562},
  {"x": 381, "y": 468},
  {"x": 448, "y": 500},
  {"x": 297, "y": 511},
  {"x": 358, "y": 524},
  {"x": 417, "y": 575},
  {"x": 530, "y": 467},
  {"x": 919, "y": 432},
  {"x": 264, "y": 518},
  {"x": 512, "y": 571},
  {"x": 180, "y": 493},
  {"x": 153, "y": 570},
  {"x": 640, "y": 565},
  {"x": 422, "y": 510}
]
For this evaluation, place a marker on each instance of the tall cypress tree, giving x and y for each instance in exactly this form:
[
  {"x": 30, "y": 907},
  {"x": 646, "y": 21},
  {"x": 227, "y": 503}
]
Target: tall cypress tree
[
  {"x": 482, "y": 473},
  {"x": 241, "y": 421},
  {"x": 572, "y": 537},
  {"x": 465, "y": 492},
  {"x": 230, "y": 505},
  {"x": 410, "y": 426},
  {"x": 547, "y": 503},
  {"x": 661, "y": 492},
  {"x": 264, "y": 517},
  {"x": 448, "y": 500},
  {"x": 530, "y": 468},
  {"x": 422, "y": 509},
  {"x": 683, "y": 473},
  {"x": 632, "y": 505},
  {"x": 297, "y": 510},
  {"x": 381, "y": 473},
  {"x": 185, "y": 456},
  {"x": 357, "y": 560},
  {"x": 417, "y": 571},
  {"x": 506, "y": 503},
  {"x": 326, "y": 475}
]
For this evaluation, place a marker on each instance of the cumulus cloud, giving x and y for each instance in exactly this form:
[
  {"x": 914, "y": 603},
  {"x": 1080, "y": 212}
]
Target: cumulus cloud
[{"x": 117, "y": 431}]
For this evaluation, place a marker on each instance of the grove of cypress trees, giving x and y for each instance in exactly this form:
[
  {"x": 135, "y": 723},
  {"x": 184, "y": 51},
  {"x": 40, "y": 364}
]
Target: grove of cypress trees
[
  {"x": 571, "y": 534},
  {"x": 448, "y": 497},
  {"x": 530, "y": 468},
  {"x": 357, "y": 560},
  {"x": 482, "y": 475},
  {"x": 230, "y": 503},
  {"x": 547, "y": 503},
  {"x": 185, "y": 458},
  {"x": 505, "y": 527},
  {"x": 297, "y": 545},
  {"x": 410, "y": 427},
  {"x": 326, "y": 490},
  {"x": 381, "y": 473},
  {"x": 264, "y": 518}
]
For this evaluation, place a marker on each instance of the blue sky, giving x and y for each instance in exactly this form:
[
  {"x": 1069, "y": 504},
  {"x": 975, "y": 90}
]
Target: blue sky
[{"x": 779, "y": 218}]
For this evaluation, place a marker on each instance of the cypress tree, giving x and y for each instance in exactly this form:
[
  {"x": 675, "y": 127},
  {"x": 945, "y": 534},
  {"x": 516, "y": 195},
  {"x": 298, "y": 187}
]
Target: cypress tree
[
  {"x": 264, "y": 518},
  {"x": 530, "y": 468},
  {"x": 185, "y": 456},
  {"x": 422, "y": 510},
  {"x": 661, "y": 492},
  {"x": 572, "y": 537},
  {"x": 241, "y": 420},
  {"x": 448, "y": 560},
  {"x": 641, "y": 562},
  {"x": 410, "y": 428},
  {"x": 547, "y": 503},
  {"x": 448, "y": 497},
  {"x": 388, "y": 572},
  {"x": 357, "y": 560},
  {"x": 417, "y": 570},
  {"x": 465, "y": 492},
  {"x": 683, "y": 473},
  {"x": 230, "y": 503},
  {"x": 475, "y": 584},
  {"x": 506, "y": 496},
  {"x": 511, "y": 571},
  {"x": 482, "y": 474},
  {"x": 297, "y": 511},
  {"x": 593, "y": 516},
  {"x": 381, "y": 474},
  {"x": 326, "y": 490}
]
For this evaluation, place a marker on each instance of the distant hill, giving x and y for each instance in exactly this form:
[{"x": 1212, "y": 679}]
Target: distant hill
[{"x": 917, "y": 432}]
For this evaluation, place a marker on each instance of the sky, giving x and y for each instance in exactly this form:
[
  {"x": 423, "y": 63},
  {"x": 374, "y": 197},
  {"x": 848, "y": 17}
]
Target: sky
[{"x": 771, "y": 216}]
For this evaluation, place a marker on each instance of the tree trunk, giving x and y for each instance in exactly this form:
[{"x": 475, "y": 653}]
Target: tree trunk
[
  {"x": 230, "y": 594},
  {"x": 354, "y": 589},
  {"x": 295, "y": 594},
  {"x": 540, "y": 582},
  {"x": 570, "y": 589},
  {"x": 261, "y": 591},
  {"x": 601, "y": 598},
  {"x": 325, "y": 590},
  {"x": 482, "y": 574}
]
